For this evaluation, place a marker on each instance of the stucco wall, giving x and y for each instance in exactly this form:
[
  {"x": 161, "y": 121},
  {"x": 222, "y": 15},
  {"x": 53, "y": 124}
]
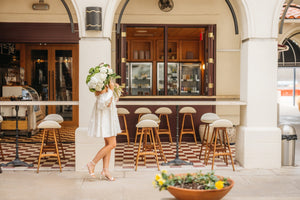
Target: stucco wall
[{"x": 21, "y": 11}]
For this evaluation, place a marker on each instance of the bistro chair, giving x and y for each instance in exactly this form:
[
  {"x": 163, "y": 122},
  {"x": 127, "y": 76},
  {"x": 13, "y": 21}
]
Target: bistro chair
[
  {"x": 206, "y": 119},
  {"x": 1, "y": 119},
  {"x": 140, "y": 111},
  {"x": 187, "y": 111},
  {"x": 164, "y": 112},
  {"x": 145, "y": 148},
  {"x": 59, "y": 119},
  {"x": 49, "y": 127},
  {"x": 220, "y": 146},
  {"x": 150, "y": 117},
  {"x": 122, "y": 112}
]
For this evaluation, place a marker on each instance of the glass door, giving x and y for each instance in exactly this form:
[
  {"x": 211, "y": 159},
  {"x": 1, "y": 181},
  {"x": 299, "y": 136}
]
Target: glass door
[
  {"x": 141, "y": 79},
  {"x": 190, "y": 78},
  {"x": 54, "y": 75},
  {"x": 172, "y": 79}
]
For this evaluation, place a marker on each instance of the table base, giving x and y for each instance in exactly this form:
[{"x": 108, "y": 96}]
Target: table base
[
  {"x": 177, "y": 161},
  {"x": 17, "y": 162}
]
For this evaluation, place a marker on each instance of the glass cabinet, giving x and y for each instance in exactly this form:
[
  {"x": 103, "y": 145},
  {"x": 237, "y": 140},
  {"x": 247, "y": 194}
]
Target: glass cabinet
[
  {"x": 140, "y": 78},
  {"x": 172, "y": 79},
  {"x": 190, "y": 78}
]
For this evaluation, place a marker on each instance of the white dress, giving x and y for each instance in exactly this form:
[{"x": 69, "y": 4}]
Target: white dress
[{"x": 104, "y": 120}]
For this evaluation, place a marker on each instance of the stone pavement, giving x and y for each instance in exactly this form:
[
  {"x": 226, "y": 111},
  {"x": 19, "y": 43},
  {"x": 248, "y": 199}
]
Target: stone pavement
[{"x": 258, "y": 184}]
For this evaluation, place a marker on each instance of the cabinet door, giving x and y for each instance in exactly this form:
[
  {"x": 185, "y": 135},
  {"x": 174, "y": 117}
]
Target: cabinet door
[
  {"x": 173, "y": 78},
  {"x": 190, "y": 79},
  {"x": 141, "y": 79}
]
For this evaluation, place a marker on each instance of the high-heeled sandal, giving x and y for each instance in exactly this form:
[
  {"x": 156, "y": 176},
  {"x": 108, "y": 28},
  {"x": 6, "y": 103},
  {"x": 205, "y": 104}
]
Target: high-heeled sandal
[
  {"x": 91, "y": 172},
  {"x": 106, "y": 177}
]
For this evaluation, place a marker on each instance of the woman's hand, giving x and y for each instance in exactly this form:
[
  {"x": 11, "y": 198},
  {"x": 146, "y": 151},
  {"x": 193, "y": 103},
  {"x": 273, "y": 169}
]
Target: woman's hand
[
  {"x": 111, "y": 85},
  {"x": 110, "y": 102},
  {"x": 97, "y": 93}
]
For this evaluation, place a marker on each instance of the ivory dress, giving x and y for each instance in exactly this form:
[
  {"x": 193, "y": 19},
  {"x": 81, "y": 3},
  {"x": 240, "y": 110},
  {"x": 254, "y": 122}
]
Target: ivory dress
[{"x": 104, "y": 120}]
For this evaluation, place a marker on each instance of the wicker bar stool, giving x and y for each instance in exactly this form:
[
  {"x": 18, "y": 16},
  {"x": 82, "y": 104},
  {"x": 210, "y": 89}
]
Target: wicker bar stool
[
  {"x": 220, "y": 146},
  {"x": 187, "y": 111},
  {"x": 49, "y": 127},
  {"x": 165, "y": 112},
  {"x": 207, "y": 119},
  {"x": 122, "y": 112},
  {"x": 59, "y": 119},
  {"x": 144, "y": 147},
  {"x": 140, "y": 111},
  {"x": 2, "y": 156}
]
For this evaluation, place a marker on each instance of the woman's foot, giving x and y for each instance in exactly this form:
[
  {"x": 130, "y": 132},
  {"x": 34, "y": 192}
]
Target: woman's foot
[
  {"x": 105, "y": 173},
  {"x": 91, "y": 167}
]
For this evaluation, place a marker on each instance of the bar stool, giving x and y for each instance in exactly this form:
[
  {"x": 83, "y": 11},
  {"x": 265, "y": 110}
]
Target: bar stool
[
  {"x": 220, "y": 146},
  {"x": 59, "y": 119},
  {"x": 144, "y": 147},
  {"x": 150, "y": 117},
  {"x": 164, "y": 111},
  {"x": 140, "y": 111},
  {"x": 206, "y": 119},
  {"x": 1, "y": 119},
  {"x": 187, "y": 111},
  {"x": 122, "y": 112},
  {"x": 49, "y": 126}
]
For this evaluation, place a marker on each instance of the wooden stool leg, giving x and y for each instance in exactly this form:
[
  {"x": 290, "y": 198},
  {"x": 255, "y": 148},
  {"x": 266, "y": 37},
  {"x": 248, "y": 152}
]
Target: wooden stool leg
[
  {"x": 139, "y": 150},
  {"x": 209, "y": 146},
  {"x": 161, "y": 152},
  {"x": 57, "y": 152},
  {"x": 203, "y": 140},
  {"x": 182, "y": 127},
  {"x": 230, "y": 154},
  {"x": 60, "y": 143},
  {"x": 155, "y": 152},
  {"x": 215, "y": 146},
  {"x": 193, "y": 128},
  {"x": 169, "y": 129},
  {"x": 41, "y": 151},
  {"x": 126, "y": 129}
]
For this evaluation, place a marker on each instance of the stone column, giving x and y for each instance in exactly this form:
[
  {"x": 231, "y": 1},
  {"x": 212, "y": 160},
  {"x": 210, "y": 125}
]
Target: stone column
[
  {"x": 258, "y": 142},
  {"x": 92, "y": 51}
]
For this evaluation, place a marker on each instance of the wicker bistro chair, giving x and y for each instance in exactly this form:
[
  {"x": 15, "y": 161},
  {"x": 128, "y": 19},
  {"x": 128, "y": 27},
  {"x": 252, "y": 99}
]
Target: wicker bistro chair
[
  {"x": 187, "y": 111},
  {"x": 122, "y": 112},
  {"x": 147, "y": 126},
  {"x": 140, "y": 111},
  {"x": 220, "y": 146},
  {"x": 2, "y": 156},
  {"x": 206, "y": 119},
  {"x": 165, "y": 112},
  {"x": 59, "y": 119},
  {"x": 49, "y": 127}
]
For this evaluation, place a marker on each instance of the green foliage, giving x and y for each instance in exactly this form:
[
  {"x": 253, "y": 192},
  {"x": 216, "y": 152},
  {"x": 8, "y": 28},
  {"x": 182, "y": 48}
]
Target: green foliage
[{"x": 204, "y": 181}]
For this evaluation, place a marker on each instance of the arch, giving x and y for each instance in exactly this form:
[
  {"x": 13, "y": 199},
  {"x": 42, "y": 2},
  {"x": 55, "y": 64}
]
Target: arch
[
  {"x": 288, "y": 34},
  {"x": 109, "y": 17},
  {"x": 276, "y": 18},
  {"x": 80, "y": 17}
]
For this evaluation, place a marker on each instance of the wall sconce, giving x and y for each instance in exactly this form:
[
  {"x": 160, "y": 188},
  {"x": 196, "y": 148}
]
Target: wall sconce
[
  {"x": 203, "y": 66},
  {"x": 93, "y": 18}
]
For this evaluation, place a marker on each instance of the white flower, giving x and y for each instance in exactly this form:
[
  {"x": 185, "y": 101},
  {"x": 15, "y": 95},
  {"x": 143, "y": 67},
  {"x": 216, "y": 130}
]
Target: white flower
[
  {"x": 93, "y": 82},
  {"x": 98, "y": 88},
  {"x": 103, "y": 70},
  {"x": 102, "y": 77},
  {"x": 109, "y": 71},
  {"x": 97, "y": 77}
]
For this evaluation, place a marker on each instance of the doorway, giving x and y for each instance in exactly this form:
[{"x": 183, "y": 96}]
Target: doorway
[{"x": 52, "y": 70}]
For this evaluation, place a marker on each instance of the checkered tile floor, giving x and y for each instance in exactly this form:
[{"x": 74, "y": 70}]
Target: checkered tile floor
[
  {"x": 29, "y": 153},
  {"x": 125, "y": 156},
  {"x": 67, "y": 136}
]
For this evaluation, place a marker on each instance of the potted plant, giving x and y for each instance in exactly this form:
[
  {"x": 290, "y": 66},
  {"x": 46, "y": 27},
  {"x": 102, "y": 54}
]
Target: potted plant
[{"x": 194, "y": 186}]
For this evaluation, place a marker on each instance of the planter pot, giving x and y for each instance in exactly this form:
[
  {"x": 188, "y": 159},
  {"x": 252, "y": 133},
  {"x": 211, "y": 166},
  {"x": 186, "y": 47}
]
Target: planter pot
[{"x": 191, "y": 194}]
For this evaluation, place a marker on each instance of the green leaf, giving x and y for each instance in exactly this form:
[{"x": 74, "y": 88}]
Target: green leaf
[
  {"x": 88, "y": 78},
  {"x": 92, "y": 90},
  {"x": 91, "y": 71}
]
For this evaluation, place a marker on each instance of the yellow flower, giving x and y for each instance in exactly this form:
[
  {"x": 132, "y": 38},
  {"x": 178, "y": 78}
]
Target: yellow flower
[
  {"x": 219, "y": 185},
  {"x": 164, "y": 171},
  {"x": 161, "y": 182},
  {"x": 154, "y": 183},
  {"x": 157, "y": 177}
]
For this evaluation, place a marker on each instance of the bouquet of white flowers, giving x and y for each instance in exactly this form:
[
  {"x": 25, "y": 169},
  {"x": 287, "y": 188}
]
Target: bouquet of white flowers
[{"x": 100, "y": 77}]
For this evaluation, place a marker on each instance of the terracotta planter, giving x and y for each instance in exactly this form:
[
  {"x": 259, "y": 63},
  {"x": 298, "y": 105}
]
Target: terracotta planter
[{"x": 190, "y": 194}]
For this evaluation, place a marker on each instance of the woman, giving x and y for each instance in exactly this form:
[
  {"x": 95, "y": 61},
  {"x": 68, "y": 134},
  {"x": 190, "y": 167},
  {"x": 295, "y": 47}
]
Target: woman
[{"x": 104, "y": 123}]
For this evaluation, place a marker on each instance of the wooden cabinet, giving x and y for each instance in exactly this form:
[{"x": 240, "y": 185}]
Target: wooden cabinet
[
  {"x": 189, "y": 50},
  {"x": 173, "y": 50},
  {"x": 141, "y": 50}
]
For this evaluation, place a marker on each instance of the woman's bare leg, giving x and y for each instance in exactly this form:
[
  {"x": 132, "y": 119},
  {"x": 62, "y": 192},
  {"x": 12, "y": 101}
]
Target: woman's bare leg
[{"x": 106, "y": 159}]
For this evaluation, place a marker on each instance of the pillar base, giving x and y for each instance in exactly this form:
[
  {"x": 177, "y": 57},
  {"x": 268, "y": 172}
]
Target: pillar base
[
  {"x": 86, "y": 148},
  {"x": 258, "y": 147}
]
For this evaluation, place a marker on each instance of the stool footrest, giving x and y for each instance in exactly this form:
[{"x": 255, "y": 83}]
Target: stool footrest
[{"x": 47, "y": 155}]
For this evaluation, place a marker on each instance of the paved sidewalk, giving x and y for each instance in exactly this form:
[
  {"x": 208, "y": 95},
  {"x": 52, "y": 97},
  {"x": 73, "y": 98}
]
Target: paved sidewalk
[{"x": 258, "y": 184}]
